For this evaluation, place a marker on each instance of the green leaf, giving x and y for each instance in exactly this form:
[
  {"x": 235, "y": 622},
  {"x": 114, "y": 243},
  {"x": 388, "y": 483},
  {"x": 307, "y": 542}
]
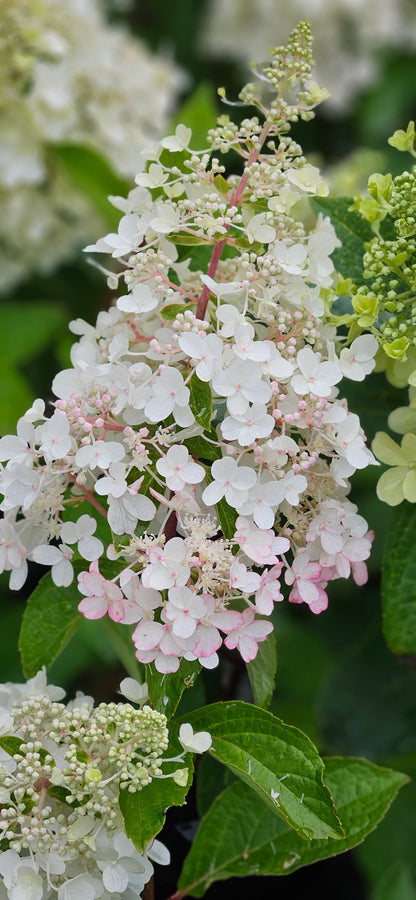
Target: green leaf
[
  {"x": 352, "y": 230},
  {"x": 202, "y": 448},
  {"x": 50, "y": 619},
  {"x": 16, "y": 396},
  {"x": 399, "y": 582},
  {"x": 213, "y": 779},
  {"x": 200, "y": 401},
  {"x": 144, "y": 811},
  {"x": 279, "y": 762},
  {"x": 189, "y": 240},
  {"x": 165, "y": 691},
  {"x": 91, "y": 174},
  {"x": 239, "y": 836},
  {"x": 11, "y": 744},
  {"x": 29, "y": 328},
  {"x": 262, "y": 671},
  {"x": 227, "y": 517},
  {"x": 170, "y": 312}
]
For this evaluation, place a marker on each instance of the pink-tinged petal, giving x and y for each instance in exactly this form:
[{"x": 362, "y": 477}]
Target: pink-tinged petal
[
  {"x": 208, "y": 641},
  {"x": 90, "y": 583},
  {"x": 131, "y": 613},
  {"x": 184, "y": 626},
  {"x": 116, "y": 610},
  {"x": 166, "y": 664},
  {"x": 175, "y": 646},
  {"x": 359, "y": 572},
  {"x": 147, "y": 635},
  {"x": 259, "y": 629},
  {"x": 320, "y": 604},
  {"x": 247, "y": 647},
  {"x": 331, "y": 543},
  {"x": 232, "y": 639},
  {"x": 209, "y": 662},
  {"x": 308, "y": 591},
  {"x": 228, "y": 620},
  {"x": 146, "y": 656},
  {"x": 93, "y": 607},
  {"x": 343, "y": 566}
]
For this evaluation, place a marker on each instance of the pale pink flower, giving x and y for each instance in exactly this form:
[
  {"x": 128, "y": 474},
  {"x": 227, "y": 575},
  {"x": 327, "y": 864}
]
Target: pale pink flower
[
  {"x": 254, "y": 424},
  {"x": 260, "y": 545},
  {"x": 56, "y": 438},
  {"x": 59, "y": 558},
  {"x": 167, "y": 567},
  {"x": 169, "y": 395},
  {"x": 81, "y": 532},
  {"x": 290, "y": 259},
  {"x": 304, "y": 574},
  {"x": 357, "y": 361},
  {"x": 141, "y": 602},
  {"x": 101, "y": 595},
  {"x": 178, "y": 468},
  {"x": 242, "y": 579},
  {"x": 184, "y": 609},
  {"x": 316, "y": 377},
  {"x": 207, "y": 349},
  {"x": 269, "y": 591},
  {"x": 248, "y": 636},
  {"x": 241, "y": 384},
  {"x": 99, "y": 454},
  {"x": 246, "y": 347},
  {"x": 208, "y": 638},
  {"x": 230, "y": 481}
]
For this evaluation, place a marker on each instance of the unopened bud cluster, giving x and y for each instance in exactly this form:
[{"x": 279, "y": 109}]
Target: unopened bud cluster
[{"x": 61, "y": 769}]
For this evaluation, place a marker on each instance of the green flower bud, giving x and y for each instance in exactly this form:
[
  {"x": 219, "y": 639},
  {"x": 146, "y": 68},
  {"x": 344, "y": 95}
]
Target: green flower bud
[
  {"x": 396, "y": 349},
  {"x": 404, "y": 140}
]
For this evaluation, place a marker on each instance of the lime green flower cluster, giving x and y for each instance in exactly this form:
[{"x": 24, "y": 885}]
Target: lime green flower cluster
[{"x": 386, "y": 302}]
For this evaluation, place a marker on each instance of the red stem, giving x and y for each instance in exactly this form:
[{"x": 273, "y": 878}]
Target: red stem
[
  {"x": 170, "y": 527},
  {"x": 235, "y": 199},
  {"x": 92, "y": 499}
]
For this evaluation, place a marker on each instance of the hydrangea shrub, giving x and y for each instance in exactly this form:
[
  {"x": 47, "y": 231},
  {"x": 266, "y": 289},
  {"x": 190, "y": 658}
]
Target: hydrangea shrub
[{"x": 194, "y": 474}]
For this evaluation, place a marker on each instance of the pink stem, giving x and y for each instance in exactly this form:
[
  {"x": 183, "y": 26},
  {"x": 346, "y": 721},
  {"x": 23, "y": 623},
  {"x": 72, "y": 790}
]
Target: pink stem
[
  {"x": 89, "y": 495},
  {"x": 234, "y": 201}
]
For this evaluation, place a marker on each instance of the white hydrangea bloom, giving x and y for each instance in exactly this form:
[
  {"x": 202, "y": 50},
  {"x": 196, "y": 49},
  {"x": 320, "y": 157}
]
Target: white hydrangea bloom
[{"x": 68, "y": 77}]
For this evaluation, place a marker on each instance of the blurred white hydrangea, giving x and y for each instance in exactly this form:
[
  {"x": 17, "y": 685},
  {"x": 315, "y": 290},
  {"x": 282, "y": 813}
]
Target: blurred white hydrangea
[
  {"x": 348, "y": 35},
  {"x": 67, "y": 76}
]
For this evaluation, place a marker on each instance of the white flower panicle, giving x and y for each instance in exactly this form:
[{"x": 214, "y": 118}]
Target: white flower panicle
[
  {"x": 61, "y": 769},
  {"x": 349, "y": 35},
  {"x": 68, "y": 77},
  {"x": 199, "y": 438}
]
